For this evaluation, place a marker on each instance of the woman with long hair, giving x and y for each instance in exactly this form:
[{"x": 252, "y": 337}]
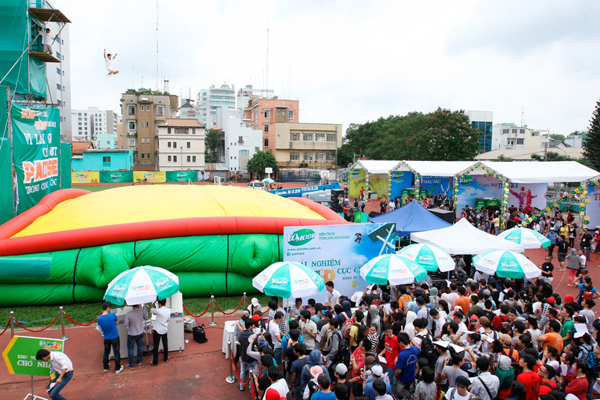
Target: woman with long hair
[{"x": 517, "y": 391}]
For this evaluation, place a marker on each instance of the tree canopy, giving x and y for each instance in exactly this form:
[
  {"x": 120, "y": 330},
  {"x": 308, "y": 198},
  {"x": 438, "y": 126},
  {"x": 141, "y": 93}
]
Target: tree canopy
[
  {"x": 440, "y": 135},
  {"x": 591, "y": 146},
  {"x": 212, "y": 146},
  {"x": 261, "y": 160}
]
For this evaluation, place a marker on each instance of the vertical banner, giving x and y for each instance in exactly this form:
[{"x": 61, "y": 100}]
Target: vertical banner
[
  {"x": 527, "y": 195},
  {"x": 148, "y": 176},
  {"x": 182, "y": 176},
  {"x": 473, "y": 187},
  {"x": 6, "y": 182},
  {"x": 116, "y": 176},
  {"x": 356, "y": 180},
  {"x": 65, "y": 165},
  {"x": 400, "y": 180},
  {"x": 592, "y": 209},
  {"x": 36, "y": 141},
  {"x": 336, "y": 252}
]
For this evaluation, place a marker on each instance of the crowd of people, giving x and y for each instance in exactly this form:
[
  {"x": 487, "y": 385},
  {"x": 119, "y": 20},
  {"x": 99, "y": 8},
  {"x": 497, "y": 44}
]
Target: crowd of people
[{"x": 483, "y": 338}]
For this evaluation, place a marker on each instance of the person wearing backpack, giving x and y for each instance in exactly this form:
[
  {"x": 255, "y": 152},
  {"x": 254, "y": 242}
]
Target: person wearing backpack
[
  {"x": 460, "y": 391},
  {"x": 339, "y": 346},
  {"x": 547, "y": 374},
  {"x": 486, "y": 385},
  {"x": 358, "y": 330}
]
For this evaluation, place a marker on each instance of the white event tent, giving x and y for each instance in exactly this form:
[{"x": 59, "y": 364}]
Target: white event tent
[
  {"x": 464, "y": 238},
  {"x": 538, "y": 172}
]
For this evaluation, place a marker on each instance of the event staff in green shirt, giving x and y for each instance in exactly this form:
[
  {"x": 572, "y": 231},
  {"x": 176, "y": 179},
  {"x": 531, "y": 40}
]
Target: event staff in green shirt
[{"x": 568, "y": 325}]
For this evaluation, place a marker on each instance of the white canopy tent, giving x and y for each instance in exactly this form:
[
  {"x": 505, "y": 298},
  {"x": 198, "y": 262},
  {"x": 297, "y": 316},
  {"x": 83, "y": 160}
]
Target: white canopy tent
[
  {"x": 539, "y": 172},
  {"x": 464, "y": 238},
  {"x": 376, "y": 166},
  {"x": 435, "y": 168}
]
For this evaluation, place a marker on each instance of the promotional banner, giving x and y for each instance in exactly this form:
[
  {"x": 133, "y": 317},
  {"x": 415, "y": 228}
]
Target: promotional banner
[
  {"x": 36, "y": 145},
  {"x": 379, "y": 185},
  {"x": 116, "y": 176},
  {"x": 146, "y": 176},
  {"x": 473, "y": 187},
  {"x": 85, "y": 177},
  {"x": 20, "y": 352},
  {"x": 436, "y": 184},
  {"x": 356, "y": 180},
  {"x": 527, "y": 195},
  {"x": 182, "y": 176},
  {"x": 400, "y": 180},
  {"x": 593, "y": 207},
  {"x": 336, "y": 252}
]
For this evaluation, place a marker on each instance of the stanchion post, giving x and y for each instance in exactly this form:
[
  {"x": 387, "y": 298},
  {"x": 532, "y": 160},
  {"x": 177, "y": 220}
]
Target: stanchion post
[
  {"x": 212, "y": 311},
  {"x": 244, "y": 299},
  {"x": 231, "y": 378},
  {"x": 62, "y": 324},
  {"x": 12, "y": 323}
]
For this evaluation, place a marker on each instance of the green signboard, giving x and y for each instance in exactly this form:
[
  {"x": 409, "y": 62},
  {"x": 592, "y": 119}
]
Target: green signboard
[
  {"x": 116, "y": 176},
  {"x": 19, "y": 355},
  {"x": 36, "y": 148},
  {"x": 182, "y": 176}
]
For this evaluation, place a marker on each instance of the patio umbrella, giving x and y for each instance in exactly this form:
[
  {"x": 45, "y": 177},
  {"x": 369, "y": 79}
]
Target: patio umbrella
[
  {"x": 506, "y": 264},
  {"x": 141, "y": 285},
  {"x": 527, "y": 237},
  {"x": 288, "y": 279},
  {"x": 430, "y": 257},
  {"x": 396, "y": 269},
  {"x": 268, "y": 180}
]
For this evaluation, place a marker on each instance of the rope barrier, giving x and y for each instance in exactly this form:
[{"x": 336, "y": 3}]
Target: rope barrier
[
  {"x": 238, "y": 375},
  {"x": 77, "y": 323},
  {"x": 252, "y": 383},
  {"x": 37, "y": 330},
  {"x": 238, "y": 307},
  {"x": 6, "y": 327},
  {"x": 199, "y": 315}
]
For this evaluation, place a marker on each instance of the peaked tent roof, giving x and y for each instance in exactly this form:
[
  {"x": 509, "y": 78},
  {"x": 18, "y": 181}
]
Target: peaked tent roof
[
  {"x": 437, "y": 168},
  {"x": 413, "y": 217},
  {"x": 464, "y": 238},
  {"x": 542, "y": 172}
]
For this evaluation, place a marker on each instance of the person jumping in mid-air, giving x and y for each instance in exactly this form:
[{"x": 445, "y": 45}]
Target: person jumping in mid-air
[
  {"x": 108, "y": 58},
  {"x": 358, "y": 238}
]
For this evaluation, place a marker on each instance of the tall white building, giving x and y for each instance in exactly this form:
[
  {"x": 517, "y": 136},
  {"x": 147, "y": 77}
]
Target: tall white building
[
  {"x": 248, "y": 92},
  {"x": 209, "y": 100},
  {"x": 93, "y": 121},
  {"x": 240, "y": 142},
  {"x": 181, "y": 145}
]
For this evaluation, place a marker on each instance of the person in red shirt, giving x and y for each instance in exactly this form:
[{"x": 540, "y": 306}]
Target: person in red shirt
[
  {"x": 391, "y": 351},
  {"x": 546, "y": 373},
  {"x": 579, "y": 384},
  {"x": 528, "y": 378},
  {"x": 357, "y": 359},
  {"x": 499, "y": 319}
]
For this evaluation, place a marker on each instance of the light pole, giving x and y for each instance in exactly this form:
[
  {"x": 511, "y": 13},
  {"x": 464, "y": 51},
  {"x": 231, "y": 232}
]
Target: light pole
[{"x": 181, "y": 148}]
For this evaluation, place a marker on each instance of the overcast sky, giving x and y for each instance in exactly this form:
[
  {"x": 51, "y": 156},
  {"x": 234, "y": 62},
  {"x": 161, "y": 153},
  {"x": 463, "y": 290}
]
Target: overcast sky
[{"x": 352, "y": 61}]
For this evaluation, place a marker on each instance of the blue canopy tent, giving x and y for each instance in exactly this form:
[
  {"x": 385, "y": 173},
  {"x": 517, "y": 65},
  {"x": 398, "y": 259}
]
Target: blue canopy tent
[{"x": 411, "y": 218}]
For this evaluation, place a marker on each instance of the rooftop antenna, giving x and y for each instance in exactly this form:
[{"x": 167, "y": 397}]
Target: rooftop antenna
[
  {"x": 267, "y": 85},
  {"x": 166, "y": 85},
  {"x": 156, "y": 45},
  {"x": 522, "y": 116}
]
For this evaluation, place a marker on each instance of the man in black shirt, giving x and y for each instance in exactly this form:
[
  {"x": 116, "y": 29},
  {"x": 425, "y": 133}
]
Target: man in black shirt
[
  {"x": 547, "y": 269},
  {"x": 586, "y": 242},
  {"x": 563, "y": 248}
]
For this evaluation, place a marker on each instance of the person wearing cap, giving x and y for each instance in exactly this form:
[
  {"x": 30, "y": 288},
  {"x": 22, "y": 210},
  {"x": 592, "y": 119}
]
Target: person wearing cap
[
  {"x": 506, "y": 376},
  {"x": 528, "y": 378},
  {"x": 458, "y": 318},
  {"x": 377, "y": 373},
  {"x": 254, "y": 306},
  {"x": 341, "y": 372},
  {"x": 460, "y": 390}
]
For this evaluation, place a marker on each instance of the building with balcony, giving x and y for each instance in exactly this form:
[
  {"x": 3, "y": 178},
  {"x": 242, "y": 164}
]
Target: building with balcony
[
  {"x": 142, "y": 113},
  {"x": 508, "y": 136},
  {"x": 483, "y": 121},
  {"x": 181, "y": 145},
  {"x": 239, "y": 143},
  {"x": 296, "y": 145},
  {"x": 263, "y": 113},
  {"x": 210, "y": 99}
]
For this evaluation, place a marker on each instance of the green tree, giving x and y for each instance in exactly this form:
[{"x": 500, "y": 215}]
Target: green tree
[
  {"x": 502, "y": 157},
  {"x": 261, "y": 160},
  {"x": 551, "y": 156},
  {"x": 344, "y": 155},
  {"x": 448, "y": 136},
  {"x": 591, "y": 146},
  {"x": 557, "y": 136},
  {"x": 212, "y": 145}
]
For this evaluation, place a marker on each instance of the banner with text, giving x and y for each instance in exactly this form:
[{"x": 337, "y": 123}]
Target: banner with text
[
  {"x": 400, "y": 180},
  {"x": 592, "y": 209},
  {"x": 436, "y": 184},
  {"x": 85, "y": 177},
  {"x": 116, "y": 176},
  {"x": 527, "y": 195},
  {"x": 336, "y": 252},
  {"x": 182, "y": 176},
  {"x": 472, "y": 187},
  {"x": 149, "y": 176},
  {"x": 36, "y": 144}
]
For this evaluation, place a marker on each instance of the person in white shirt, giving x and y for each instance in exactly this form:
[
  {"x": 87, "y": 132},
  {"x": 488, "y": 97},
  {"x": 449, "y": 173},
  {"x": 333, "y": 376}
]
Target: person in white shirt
[
  {"x": 59, "y": 364},
  {"x": 273, "y": 329},
  {"x": 485, "y": 386},
  {"x": 47, "y": 40},
  {"x": 333, "y": 296},
  {"x": 160, "y": 326},
  {"x": 108, "y": 58}
]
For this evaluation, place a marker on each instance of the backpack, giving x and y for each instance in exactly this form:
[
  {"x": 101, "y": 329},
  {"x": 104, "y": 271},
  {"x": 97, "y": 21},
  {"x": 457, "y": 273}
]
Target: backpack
[
  {"x": 346, "y": 326},
  {"x": 471, "y": 396},
  {"x": 427, "y": 349},
  {"x": 587, "y": 294},
  {"x": 363, "y": 331},
  {"x": 405, "y": 300},
  {"x": 199, "y": 334},
  {"x": 343, "y": 353}
]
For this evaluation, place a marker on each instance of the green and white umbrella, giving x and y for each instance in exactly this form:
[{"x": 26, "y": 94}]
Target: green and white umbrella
[
  {"x": 506, "y": 264},
  {"x": 288, "y": 279},
  {"x": 527, "y": 237},
  {"x": 432, "y": 258},
  {"x": 396, "y": 269},
  {"x": 268, "y": 180},
  {"x": 141, "y": 285}
]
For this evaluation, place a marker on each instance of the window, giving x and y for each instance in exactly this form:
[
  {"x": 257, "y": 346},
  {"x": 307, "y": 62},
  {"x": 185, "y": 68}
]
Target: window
[
  {"x": 290, "y": 114},
  {"x": 159, "y": 110},
  {"x": 332, "y": 137},
  {"x": 295, "y": 137},
  {"x": 520, "y": 141},
  {"x": 320, "y": 156},
  {"x": 58, "y": 72},
  {"x": 521, "y": 130},
  {"x": 294, "y": 156},
  {"x": 174, "y": 158},
  {"x": 169, "y": 158},
  {"x": 266, "y": 127},
  {"x": 174, "y": 144},
  {"x": 58, "y": 86},
  {"x": 131, "y": 142},
  {"x": 505, "y": 130},
  {"x": 193, "y": 158},
  {"x": 320, "y": 137},
  {"x": 193, "y": 131},
  {"x": 169, "y": 130},
  {"x": 514, "y": 131},
  {"x": 307, "y": 156},
  {"x": 106, "y": 161},
  {"x": 168, "y": 144},
  {"x": 243, "y": 153},
  {"x": 189, "y": 158},
  {"x": 143, "y": 155},
  {"x": 189, "y": 145},
  {"x": 131, "y": 110},
  {"x": 330, "y": 156},
  {"x": 278, "y": 111},
  {"x": 256, "y": 149},
  {"x": 240, "y": 139},
  {"x": 307, "y": 136},
  {"x": 131, "y": 125},
  {"x": 267, "y": 113}
]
